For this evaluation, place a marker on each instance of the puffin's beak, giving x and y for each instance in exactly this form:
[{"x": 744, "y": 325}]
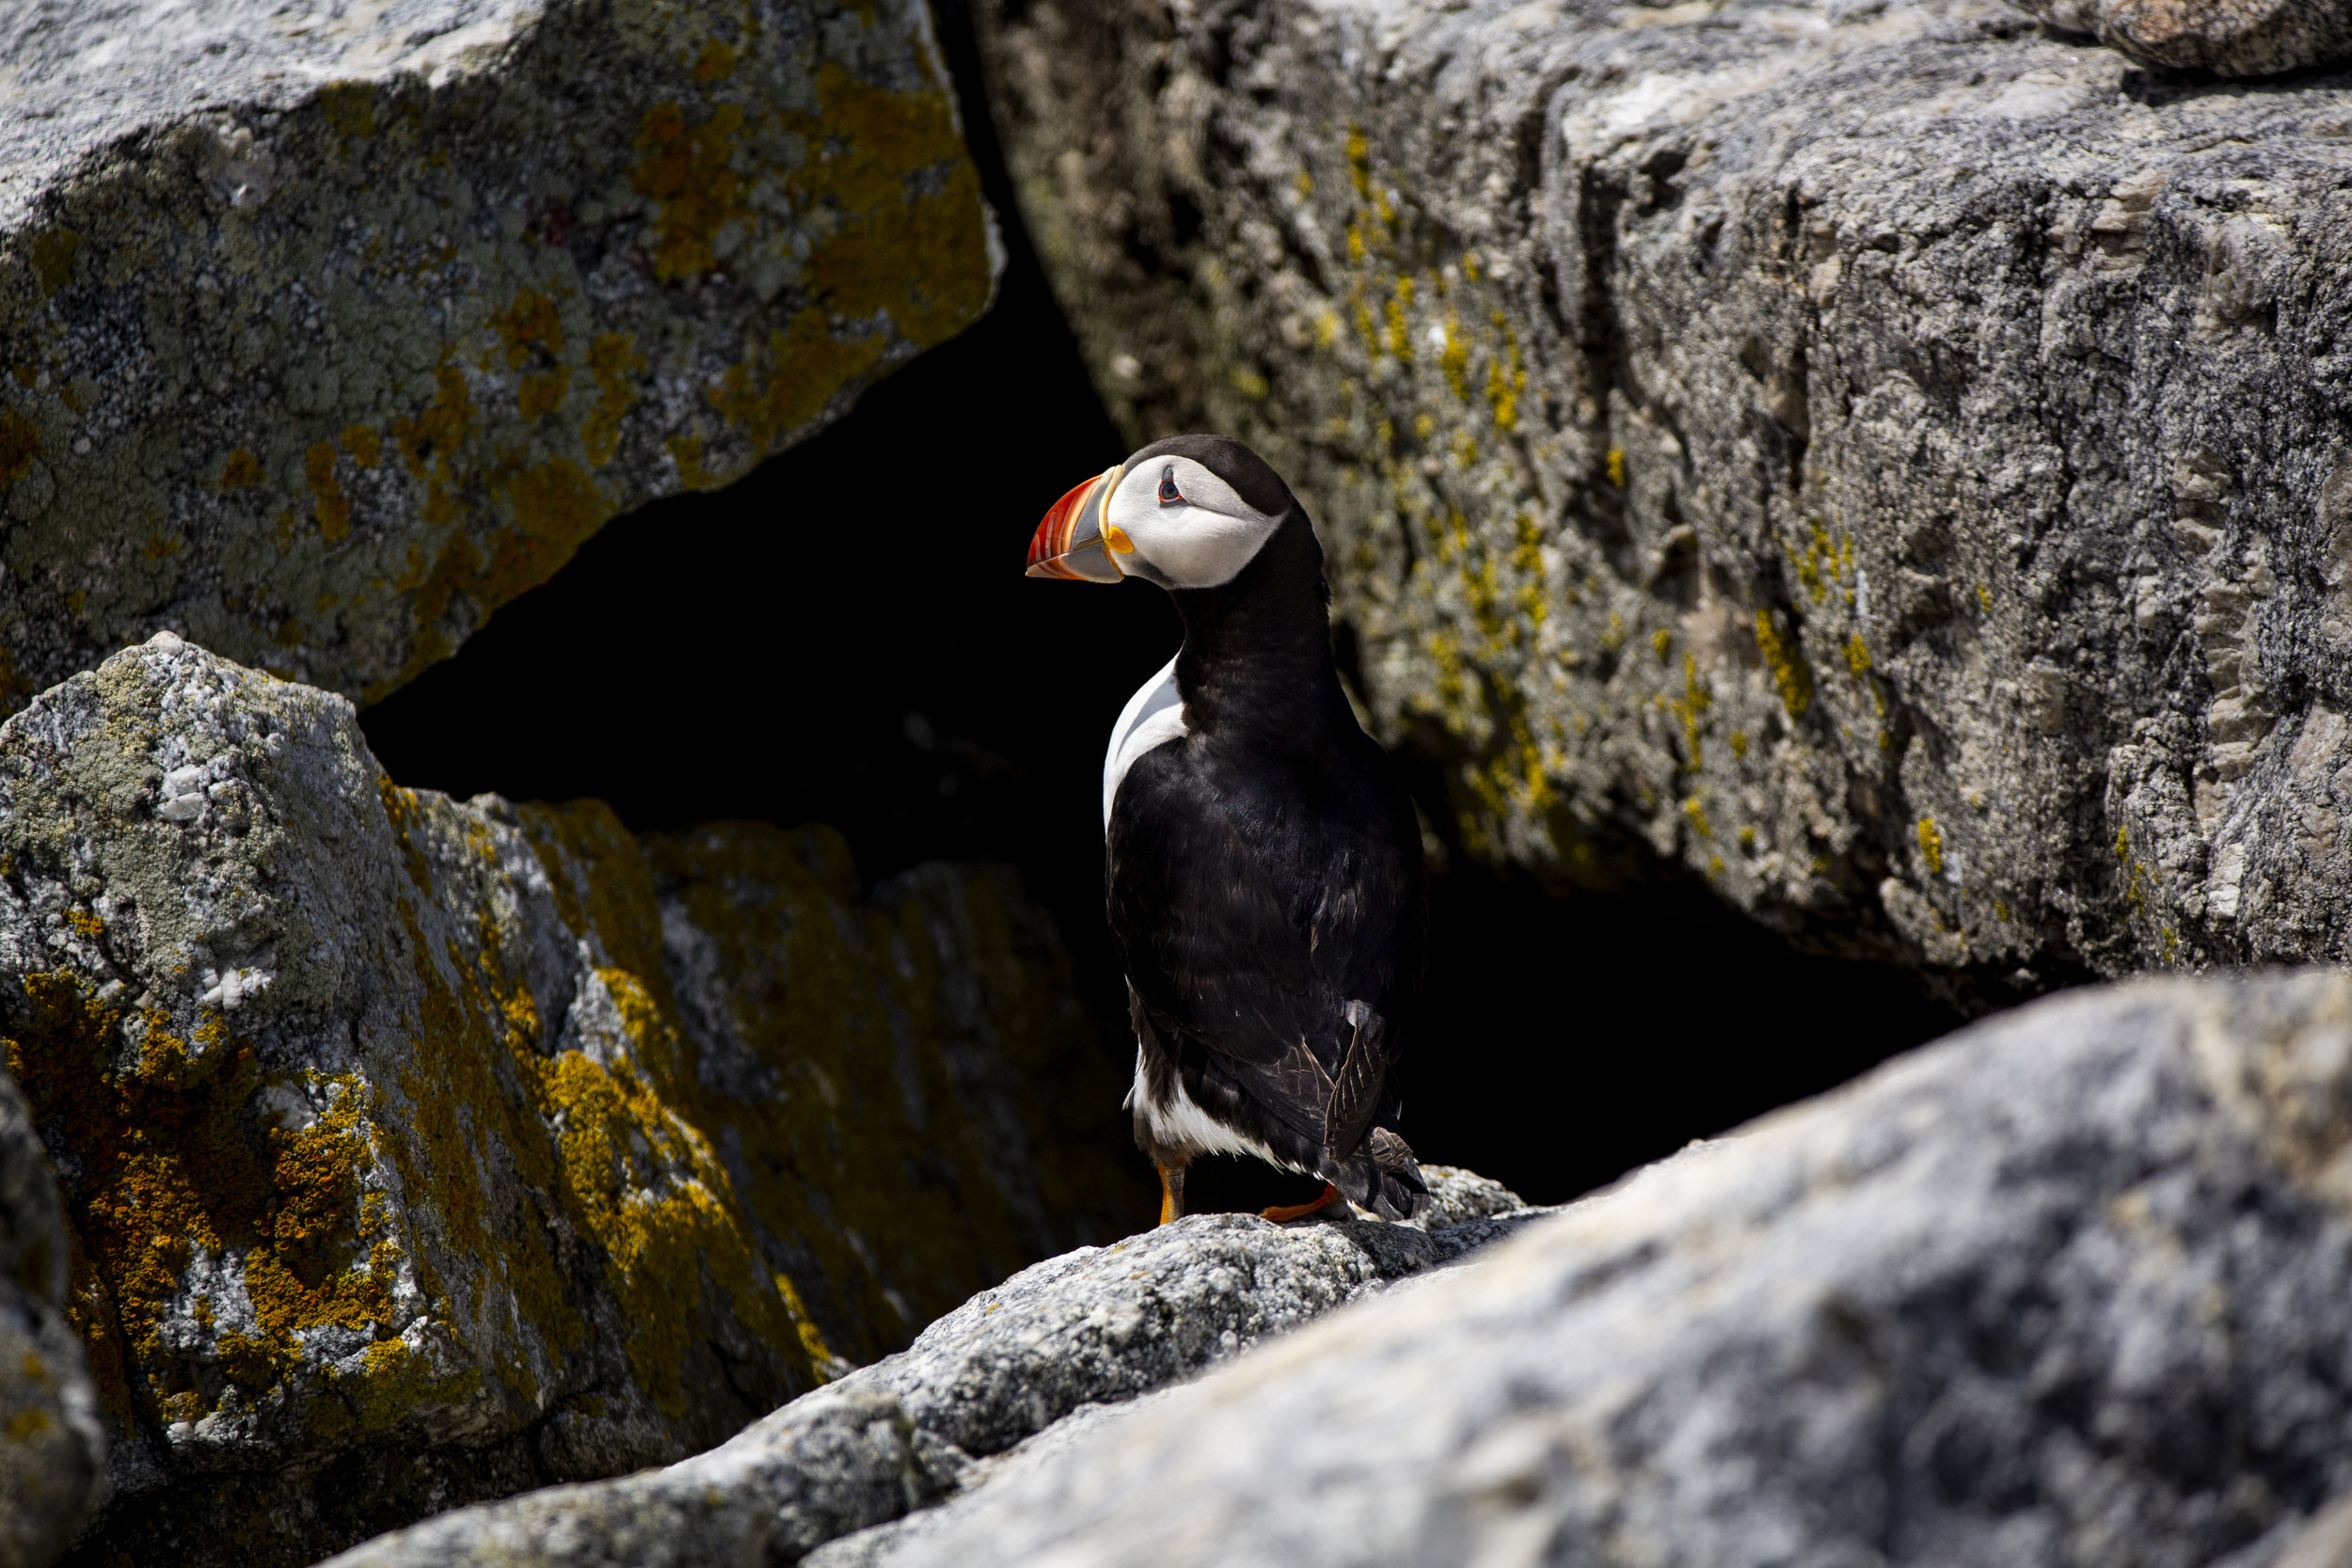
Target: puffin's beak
[{"x": 1073, "y": 541}]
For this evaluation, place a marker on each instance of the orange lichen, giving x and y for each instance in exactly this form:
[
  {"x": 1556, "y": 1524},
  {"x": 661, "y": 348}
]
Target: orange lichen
[
  {"x": 716, "y": 62},
  {"x": 530, "y": 328},
  {"x": 52, "y": 254},
  {"x": 330, "y": 505},
  {"x": 616, "y": 363},
  {"x": 687, "y": 170},
  {"x": 20, "y": 442},
  {"x": 241, "y": 471}
]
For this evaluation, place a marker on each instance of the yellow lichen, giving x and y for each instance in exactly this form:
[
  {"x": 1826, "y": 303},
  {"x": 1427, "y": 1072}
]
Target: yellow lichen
[
  {"x": 1455, "y": 359},
  {"x": 1931, "y": 845},
  {"x": 1789, "y": 673}
]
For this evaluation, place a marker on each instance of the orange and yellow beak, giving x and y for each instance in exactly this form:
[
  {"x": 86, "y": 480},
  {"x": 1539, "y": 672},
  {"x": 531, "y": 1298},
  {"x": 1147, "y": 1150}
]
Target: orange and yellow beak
[{"x": 1076, "y": 541}]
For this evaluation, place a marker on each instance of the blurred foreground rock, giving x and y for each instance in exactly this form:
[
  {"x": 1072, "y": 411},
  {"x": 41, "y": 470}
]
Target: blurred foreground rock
[
  {"x": 1052, "y": 1346},
  {"x": 2237, "y": 37},
  {"x": 416, "y": 1151},
  {"x": 326, "y": 330},
  {"x": 52, "y": 1457},
  {"x": 1889, "y": 459},
  {"x": 2065, "y": 1289}
]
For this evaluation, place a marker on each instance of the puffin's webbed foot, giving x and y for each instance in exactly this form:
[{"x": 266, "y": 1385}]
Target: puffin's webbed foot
[{"x": 1283, "y": 1212}]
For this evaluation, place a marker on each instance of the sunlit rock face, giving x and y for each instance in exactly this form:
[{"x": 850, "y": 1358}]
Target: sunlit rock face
[
  {"x": 1888, "y": 460},
  {"x": 415, "y": 1151},
  {"x": 326, "y": 330}
]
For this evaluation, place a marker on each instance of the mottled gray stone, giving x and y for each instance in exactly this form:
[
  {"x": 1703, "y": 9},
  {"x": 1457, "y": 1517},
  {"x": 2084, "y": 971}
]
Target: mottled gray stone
[
  {"x": 1093, "y": 1328},
  {"x": 329, "y": 327},
  {"x": 2237, "y": 37},
  {"x": 1888, "y": 459},
  {"x": 52, "y": 1453},
  {"x": 2064, "y": 1289},
  {"x": 416, "y": 1151}
]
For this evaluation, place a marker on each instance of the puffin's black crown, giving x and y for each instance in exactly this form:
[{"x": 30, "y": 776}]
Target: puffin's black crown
[{"x": 1252, "y": 478}]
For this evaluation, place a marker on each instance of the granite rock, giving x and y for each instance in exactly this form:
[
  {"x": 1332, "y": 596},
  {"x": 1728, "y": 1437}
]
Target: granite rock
[
  {"x": 1054, "y": 1345},
  {"x": 1886, "y": 460},
  {"x": 326, "y": 329},
  {"x": 2236, "y": 38},
  {"x": 52, "y": 1454},
  {"x": 416, "y": 1151},
  {"x": 2063, "y": 1289}
]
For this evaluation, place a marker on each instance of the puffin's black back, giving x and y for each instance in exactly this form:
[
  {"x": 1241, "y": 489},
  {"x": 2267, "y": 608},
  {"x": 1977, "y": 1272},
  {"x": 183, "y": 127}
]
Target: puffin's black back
[{"x": 1265, "y": 887}]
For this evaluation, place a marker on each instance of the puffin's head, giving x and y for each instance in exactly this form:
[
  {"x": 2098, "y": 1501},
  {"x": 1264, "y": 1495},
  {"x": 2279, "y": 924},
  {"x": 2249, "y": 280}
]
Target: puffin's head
[{"x": 1189, "y": 511}]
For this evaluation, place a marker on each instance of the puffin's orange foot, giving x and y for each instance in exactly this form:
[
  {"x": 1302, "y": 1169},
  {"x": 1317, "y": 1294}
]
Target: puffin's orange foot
[
  {"x": 1283, "y": 1212},
  {"x": 1171, "y": 1194}
]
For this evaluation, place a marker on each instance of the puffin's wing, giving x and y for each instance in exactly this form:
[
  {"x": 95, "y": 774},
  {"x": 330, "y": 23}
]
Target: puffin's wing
[
  {"x": 1258, "y": 942},
  {"x": 1356, "y": 1087}
]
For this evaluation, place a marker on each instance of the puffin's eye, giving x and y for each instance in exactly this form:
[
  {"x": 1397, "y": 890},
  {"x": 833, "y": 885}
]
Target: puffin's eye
[{"x": 1169, "y": 495}]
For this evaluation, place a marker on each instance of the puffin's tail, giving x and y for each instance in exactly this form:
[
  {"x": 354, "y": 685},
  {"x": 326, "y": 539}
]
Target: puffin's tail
[{"x": 1381, "y": 1176}]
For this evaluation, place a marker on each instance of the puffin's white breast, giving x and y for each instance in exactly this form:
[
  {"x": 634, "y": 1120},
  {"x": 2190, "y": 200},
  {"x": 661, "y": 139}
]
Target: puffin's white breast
[{"x": 1154, "y": 717}]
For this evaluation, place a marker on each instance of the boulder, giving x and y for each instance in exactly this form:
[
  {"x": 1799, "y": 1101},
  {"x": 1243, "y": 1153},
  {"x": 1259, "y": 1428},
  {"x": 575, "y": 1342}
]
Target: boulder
[
  {"x": 1885, "y": 459},
  {"x": 51, "y": 1455},
  {"x": 416, "y": 1151},
  {"x": 2066, "y": 1288},
  {"x": 1049, "y": 1350},
  {"x": 323, "y": 337},
  {"x": 2236, "y": 38}
]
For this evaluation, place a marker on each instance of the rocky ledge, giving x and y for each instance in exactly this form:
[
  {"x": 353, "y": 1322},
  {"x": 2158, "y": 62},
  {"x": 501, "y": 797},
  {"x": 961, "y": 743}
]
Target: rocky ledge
[
  {"x": 415, "y": 1151},
  {"x": 2065, "y": 1287},
  {"x": 1887, "y": 459},
  {"x": 1046, "y": 1352},
  {"x": 323, "y": 335}
]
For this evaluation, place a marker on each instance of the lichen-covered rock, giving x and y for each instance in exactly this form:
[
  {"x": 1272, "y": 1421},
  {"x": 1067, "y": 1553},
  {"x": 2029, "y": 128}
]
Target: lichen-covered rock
[
  {"x": 1889, "y": 459},
  {"x": 418, "y": 1151},
  {"x": 2065, "y": 1289},
  {"x": 320, "y": 341},
  {"x": 2237, "y": 37},
  {"x": 1098, "y": 1327},
  {"x": 51, "y": 1455}
]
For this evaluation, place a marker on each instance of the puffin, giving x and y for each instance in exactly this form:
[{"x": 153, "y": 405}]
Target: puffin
[{"x": 1262, "y": 867}]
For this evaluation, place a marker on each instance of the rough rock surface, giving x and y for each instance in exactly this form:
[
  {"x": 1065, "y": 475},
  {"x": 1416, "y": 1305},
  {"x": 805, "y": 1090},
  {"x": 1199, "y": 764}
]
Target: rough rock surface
[
  {"x": 2237, "y": 37},
  {"x": 416, "y": 1152},
  {"x": 1894, "y": 462},
  {"x": 1094, "y": 1327},
  {"x": 326, "y": 329},
  {"x": 52, "y": 1456},
  {"x": 2065, "y": 1289}
]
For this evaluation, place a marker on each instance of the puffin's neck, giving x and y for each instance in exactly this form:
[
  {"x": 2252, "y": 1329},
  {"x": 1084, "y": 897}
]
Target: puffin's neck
[{"x": 1257, "y": 654}]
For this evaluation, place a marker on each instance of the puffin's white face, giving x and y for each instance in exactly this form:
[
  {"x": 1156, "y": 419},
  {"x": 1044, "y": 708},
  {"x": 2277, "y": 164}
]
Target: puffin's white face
[
  {"x": 1188, "y": 528},
  {"x": 1169, "y": 521}
]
